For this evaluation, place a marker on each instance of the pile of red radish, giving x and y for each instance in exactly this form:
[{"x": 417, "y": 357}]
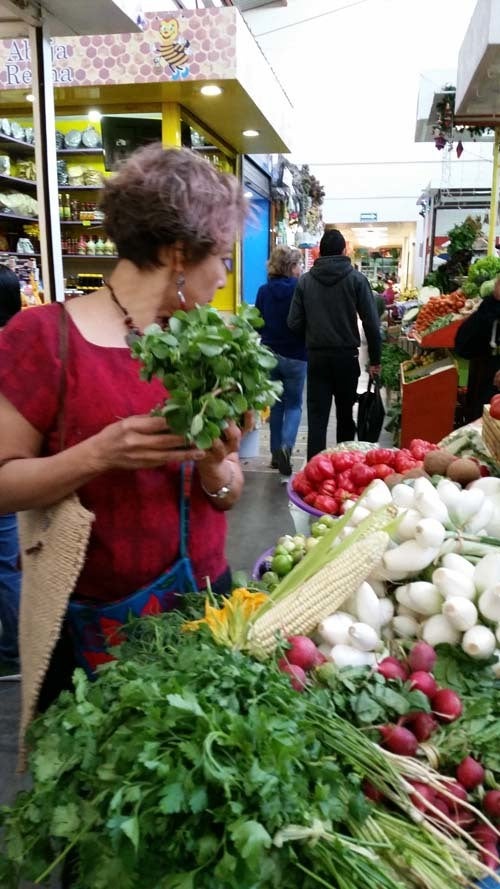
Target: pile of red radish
[
  {"x": 404, "y": 740},
  {"x": 302, "y": 657},
  {"x": 328, "y": 479}
]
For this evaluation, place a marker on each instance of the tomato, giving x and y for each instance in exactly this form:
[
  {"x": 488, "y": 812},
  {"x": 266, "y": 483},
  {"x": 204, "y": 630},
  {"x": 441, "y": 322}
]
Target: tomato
[
  {"x": 362, "y": 475},
  {"x": 342, "y": 495},
  {"x": 344, "y": 480},
  {"x": 326, "y": 504},
  {"x": 495, "y": 407},
  {"x": 404, "y": 462},
  {"x": 380, "y": 455},
  {"x": 310, "y": 498},
  {"x": 419, "y": 448},
  {"x": 319, "y": 468},
  {"x": 382, "y": 470},
  {"x": 301, "y": 485},
  {"x": 343, "y": 460},
  {"x": 328, "y": 487}
]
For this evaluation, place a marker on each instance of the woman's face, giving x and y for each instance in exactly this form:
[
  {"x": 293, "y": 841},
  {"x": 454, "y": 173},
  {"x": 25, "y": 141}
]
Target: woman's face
[{"x": 204, "y": 278}]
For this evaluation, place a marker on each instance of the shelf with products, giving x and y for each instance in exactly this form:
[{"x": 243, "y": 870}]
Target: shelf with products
[
  {"x": 17, "y": 182},
  {"x": 16, "y": 218},
  {"x": 79, "y": 188},
  {"x": 16, "y": 146},
  {"x": 81, "y": 152},
  {"x": 6, "y": 254},
  {"x": 86, "y": 222},
  {"x": 95, "y": 257}
]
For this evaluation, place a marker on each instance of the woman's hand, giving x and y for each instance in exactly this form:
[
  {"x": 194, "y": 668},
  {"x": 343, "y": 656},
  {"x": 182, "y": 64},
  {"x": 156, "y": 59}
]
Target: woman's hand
[{"x": 139, "y": 442}]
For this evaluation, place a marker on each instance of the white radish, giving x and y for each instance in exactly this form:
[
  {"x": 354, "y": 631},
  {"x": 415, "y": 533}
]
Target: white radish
[
  {"x": 460, "y": 612},
  {"x": 424, "y": 487},
  {"x": 364, "y": 637},
  {"x": 402, "y": 596},
  {"x": 429, "y": 532},
  {"x": 468, "y": 504},
  {"x": 487, "y": 572},
  {"x": 334, "y": 630},
  {"x": 431, "y": 507},
  {"x": 451, "y": 583},
  {"x": 386, "y": 611},
  {"x": 403, "y": 495},
  {"x": 408, "y": 558},
  {"x": 404, "y": 626},
  {"x": 437, "y": 629},
  {"x": 406, "y": 527},
  {"x": 497, "y": 632},
  {"x": 378, "y": 586},
  {"x": 493, "y": 526},
  {"x": 449, "y": 492},
  {"x": 479, "y": 642},
  {"x": 367, "y": 606},
  {"x": 358, "y": 515},
  {"x": 347, "y": 656},
  {"x": 481, "y": 519},
  {"x": 489, "y": 603},
  {"x": 424, "y": 598},
  {"x": 376, "y": 495},
  {"x": 458, "y": 563},
  {"x": 489, "y": 485}
]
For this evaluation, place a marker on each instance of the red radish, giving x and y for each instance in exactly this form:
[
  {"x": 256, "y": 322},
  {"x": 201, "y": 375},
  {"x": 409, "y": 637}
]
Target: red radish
[
  {"x": 423, "y": 725},
  {"x": 489, "y": 856},
  {"x": 462, "y": 817},
  {"x": 423, "y": 790},
  {"x": 491, "y": 803},
  {"x": 458, "y": 795},
  {"x": 303, "y": 652},
  {"x": 446, "y": 705},
  {"x": 297, "y": 675},
  {"x": 371, "y": 792},
  {"x": 320, "y": 659},
  {"x": 423, "y": 682},
  {"x": 470, "y": 773},
  {"x": 399, "y": 740},
  {"x": 422, "y": 657},
  {"x": 484, "y": 834},
  {"x": 391, "y": 668},
  {"x": 440, "y": 804}
]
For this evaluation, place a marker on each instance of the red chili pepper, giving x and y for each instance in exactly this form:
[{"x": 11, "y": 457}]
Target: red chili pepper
[
  {"x": 326, "y": 504},
  {"x": 318, "y": 469},
  {"x": 382, "y": 470},
  {"x": 380, "y": 455},
  {"x": 328, "y": 487},
  {"x": 362, "y": 475}
]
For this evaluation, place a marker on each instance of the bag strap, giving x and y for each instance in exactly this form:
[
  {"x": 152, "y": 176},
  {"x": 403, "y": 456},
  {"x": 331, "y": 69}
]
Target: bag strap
[{"x": 63, "y": 355}]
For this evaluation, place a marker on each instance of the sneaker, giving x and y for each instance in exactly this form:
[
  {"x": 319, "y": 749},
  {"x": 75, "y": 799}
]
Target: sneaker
[
  {"x": 274, "y": 460},
  {"x": 9, "y": 672},
  {"x": 284, "y": 464}
]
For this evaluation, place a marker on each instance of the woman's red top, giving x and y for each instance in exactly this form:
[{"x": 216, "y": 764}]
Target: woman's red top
[{"x": 135, "y": 535}]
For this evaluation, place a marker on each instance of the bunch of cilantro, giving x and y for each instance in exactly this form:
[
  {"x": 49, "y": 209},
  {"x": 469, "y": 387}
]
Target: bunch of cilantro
[
  {"x": 179, "y": 768},
  {"x": 214, "y": 369}
]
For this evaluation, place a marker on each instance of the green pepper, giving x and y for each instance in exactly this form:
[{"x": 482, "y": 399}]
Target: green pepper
[{"x": 282, "y": 564}]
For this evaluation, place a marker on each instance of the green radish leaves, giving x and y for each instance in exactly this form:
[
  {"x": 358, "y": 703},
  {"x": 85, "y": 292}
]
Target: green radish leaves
[{"x": 214, "y": 369}]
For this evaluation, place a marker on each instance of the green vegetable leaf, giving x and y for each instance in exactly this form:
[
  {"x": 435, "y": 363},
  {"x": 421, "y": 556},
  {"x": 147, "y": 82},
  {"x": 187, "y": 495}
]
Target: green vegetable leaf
[
  {"x": 250, "y": 838},
  {"x": 65, "y": 820}
]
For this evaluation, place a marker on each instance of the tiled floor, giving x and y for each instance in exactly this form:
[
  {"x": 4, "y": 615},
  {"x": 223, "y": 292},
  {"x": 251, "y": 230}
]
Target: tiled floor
[{"x": 254, "y": 524}]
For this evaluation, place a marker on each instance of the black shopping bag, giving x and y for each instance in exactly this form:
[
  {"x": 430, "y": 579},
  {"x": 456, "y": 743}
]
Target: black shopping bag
[{"x": 371, "y": 412}]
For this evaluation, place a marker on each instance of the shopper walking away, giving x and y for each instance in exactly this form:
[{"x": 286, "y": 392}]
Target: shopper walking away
[
  {"x": 10, "y": 575},
  {"x": 273, "y": 301},
  {"x": 326, "y": 305}
]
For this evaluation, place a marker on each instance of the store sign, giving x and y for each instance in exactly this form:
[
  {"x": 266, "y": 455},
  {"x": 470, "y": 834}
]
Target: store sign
[
  {"x": 368, "y": 217},
  {"x": 192, "y": 45}
]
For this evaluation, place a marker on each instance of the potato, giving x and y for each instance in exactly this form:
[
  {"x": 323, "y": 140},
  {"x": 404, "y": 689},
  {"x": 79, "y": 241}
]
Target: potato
[
  {"x": 437, "y": 462},
  {"x": 463, "y": 471}
]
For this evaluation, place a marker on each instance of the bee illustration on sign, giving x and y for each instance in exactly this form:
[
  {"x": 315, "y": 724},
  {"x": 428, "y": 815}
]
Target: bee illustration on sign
[{"x": 173, "y": 49}]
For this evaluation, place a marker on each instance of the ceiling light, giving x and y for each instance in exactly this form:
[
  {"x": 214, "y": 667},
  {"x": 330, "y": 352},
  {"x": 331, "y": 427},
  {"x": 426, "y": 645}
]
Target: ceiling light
[
  {"x": 30, "y": 97},
  {"x": 251, "y": 134},
  {"x": 94, "y": 115},
  {"x": 211, "y": 89}
]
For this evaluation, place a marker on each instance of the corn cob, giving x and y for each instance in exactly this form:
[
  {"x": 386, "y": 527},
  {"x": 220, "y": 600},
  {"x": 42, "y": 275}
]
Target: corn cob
[{"x": 321, "y": 595}]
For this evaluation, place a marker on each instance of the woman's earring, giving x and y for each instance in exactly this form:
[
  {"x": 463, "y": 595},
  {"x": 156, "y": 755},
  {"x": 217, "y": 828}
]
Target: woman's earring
[{"x": 180, "y": 296}]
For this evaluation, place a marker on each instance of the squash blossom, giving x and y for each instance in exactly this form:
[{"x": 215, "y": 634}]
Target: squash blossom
[{"x": 229, "y": 624}]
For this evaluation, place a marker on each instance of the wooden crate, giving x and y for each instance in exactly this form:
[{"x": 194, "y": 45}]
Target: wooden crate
[{"x": 490, "y": 433}]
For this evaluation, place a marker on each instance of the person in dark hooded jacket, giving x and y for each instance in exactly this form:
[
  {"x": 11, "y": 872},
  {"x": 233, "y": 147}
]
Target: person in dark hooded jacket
[
  {"x": 273, "y": 301},
  {"x": 325, "y": 308},
  {"x": 478, "y": 339}
]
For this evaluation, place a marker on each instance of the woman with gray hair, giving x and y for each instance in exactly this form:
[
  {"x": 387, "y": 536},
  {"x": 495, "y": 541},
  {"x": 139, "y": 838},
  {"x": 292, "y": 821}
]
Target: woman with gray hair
[{"x": 273, "y": 301}]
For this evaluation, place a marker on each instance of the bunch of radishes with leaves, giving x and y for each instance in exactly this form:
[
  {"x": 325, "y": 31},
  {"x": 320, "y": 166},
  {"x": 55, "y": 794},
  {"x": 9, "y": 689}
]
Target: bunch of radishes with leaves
[{"x": 214, "y": 369}]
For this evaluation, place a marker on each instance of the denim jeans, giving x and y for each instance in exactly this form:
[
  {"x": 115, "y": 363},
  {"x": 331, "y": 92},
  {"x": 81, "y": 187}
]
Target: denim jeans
[
  {"x": 10, "y": 587},
  {"x": 286, "y": 413}
]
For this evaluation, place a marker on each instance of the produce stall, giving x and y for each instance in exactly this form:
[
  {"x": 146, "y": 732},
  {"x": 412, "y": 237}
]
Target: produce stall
[{"x": 333, "y": 723}]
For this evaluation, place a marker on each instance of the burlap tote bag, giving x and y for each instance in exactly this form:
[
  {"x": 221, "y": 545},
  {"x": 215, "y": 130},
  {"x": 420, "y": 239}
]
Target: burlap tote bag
[{"x": 53, "y": 544}]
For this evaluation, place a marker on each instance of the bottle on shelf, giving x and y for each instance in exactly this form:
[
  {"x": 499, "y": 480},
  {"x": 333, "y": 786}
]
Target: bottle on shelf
[
  {"x": 67, "y": 207},
  {"x": 82, "y": 246},
  {"x": 99, "y": 247},
  {"x": 61, "y": 207},
  {"x": 75, "y": 210},
  {"x": 109, "y": 247},
  {"x": 91, "y": 247}
]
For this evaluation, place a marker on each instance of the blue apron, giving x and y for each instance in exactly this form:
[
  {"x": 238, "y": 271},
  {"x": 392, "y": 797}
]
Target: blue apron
[{"x": 96, "y": 628}]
